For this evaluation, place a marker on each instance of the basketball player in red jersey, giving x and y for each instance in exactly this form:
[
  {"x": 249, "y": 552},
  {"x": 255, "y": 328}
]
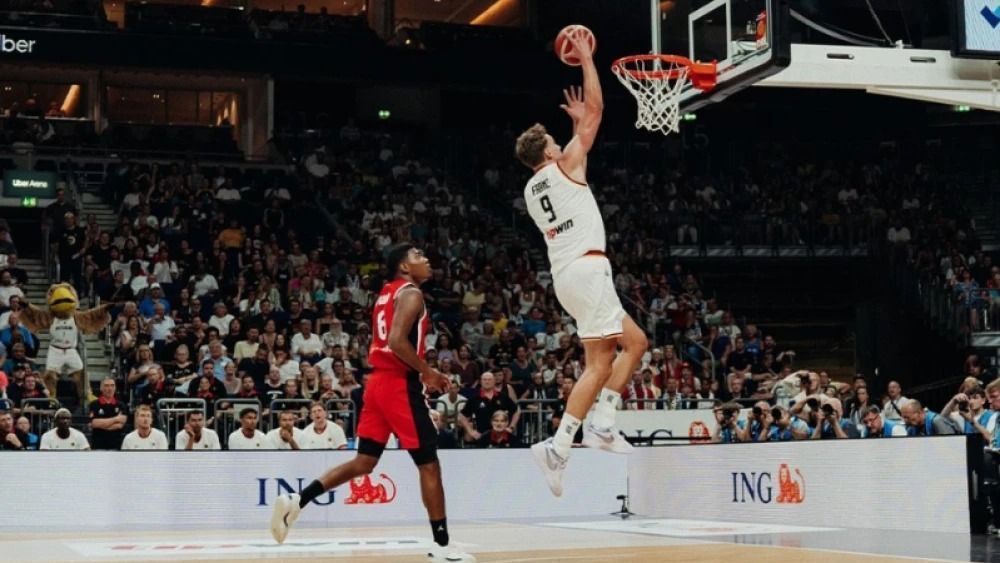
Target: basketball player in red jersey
[{"x": 394, "y": 401}]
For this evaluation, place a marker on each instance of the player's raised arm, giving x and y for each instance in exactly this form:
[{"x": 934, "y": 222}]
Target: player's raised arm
[{"x": 586, "y": 120}]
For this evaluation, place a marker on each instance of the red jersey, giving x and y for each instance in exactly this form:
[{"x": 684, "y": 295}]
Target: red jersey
[{"x": 380, "y": 356}]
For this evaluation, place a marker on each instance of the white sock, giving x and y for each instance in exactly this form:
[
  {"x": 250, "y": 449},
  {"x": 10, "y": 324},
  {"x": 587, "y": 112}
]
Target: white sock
[
  {"x": 607, "y": 407},
  {"x": 563, "y": 440}
]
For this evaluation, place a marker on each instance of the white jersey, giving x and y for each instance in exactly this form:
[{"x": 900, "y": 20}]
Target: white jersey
[
  {"x": 64, "y": 333},
  {"x": 566, "y": 213},
  {"x": 209, "y": 441},
  {"x": 156, "y": 440},
  {"x": 331, "y": 438},
  {"x": 276, "y": 443},
  {"x": 75, "y": 441},
  {"x": 239, "y": 441}
]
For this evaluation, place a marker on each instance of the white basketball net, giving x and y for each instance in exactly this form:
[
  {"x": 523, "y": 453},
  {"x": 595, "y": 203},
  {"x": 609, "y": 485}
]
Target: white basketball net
[{"x": 657, "y": 86}]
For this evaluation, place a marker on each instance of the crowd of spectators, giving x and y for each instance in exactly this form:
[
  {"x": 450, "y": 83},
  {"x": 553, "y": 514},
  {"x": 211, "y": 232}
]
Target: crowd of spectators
[{"x": 248, "y": 284}]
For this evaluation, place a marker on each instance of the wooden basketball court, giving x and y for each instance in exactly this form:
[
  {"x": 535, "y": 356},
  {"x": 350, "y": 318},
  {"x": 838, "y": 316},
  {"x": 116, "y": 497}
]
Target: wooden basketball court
[{"x": 488, "y": 541}]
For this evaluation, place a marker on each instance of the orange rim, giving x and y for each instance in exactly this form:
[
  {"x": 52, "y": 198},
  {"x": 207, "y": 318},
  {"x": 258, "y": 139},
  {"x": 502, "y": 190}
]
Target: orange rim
[{"x": 701, "y": 75}]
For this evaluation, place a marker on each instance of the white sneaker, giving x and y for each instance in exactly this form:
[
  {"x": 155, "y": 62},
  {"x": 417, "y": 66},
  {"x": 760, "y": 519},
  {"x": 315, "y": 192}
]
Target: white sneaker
[
  {"x": 286, "y": 512},
  {"x": 608, "y": 440},
  {"x": 552, "y": 465},
  {"x": 450, "y": 554}
]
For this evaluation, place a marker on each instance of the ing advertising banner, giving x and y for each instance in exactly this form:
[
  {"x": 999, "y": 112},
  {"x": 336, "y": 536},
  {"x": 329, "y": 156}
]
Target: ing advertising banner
[
  {"x": 229, "y": 490},
  {"x": 918, "y": 484}
]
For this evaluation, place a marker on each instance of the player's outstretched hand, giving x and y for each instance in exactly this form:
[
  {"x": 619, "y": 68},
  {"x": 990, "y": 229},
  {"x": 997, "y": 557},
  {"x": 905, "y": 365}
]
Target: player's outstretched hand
[
  {"x": 581, "y": 46},
  {"x": 574, "y": 102}
]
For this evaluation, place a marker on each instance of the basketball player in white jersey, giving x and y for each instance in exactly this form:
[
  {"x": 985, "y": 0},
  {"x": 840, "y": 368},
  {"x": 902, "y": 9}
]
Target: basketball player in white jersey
[{"x": 565, "y": 211}]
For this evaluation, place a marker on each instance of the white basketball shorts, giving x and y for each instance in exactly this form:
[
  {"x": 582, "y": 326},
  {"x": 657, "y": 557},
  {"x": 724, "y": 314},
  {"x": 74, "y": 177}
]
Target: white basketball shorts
[
  {"x": 586, "y": 290},
  {"x": 58, "y": 359}
]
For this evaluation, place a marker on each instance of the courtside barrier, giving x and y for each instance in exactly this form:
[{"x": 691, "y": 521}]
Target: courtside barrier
[
  {"x": 694, "y": 424},
  {"x": 918, "y": 484},
  {"x": 211, "y": 490}
]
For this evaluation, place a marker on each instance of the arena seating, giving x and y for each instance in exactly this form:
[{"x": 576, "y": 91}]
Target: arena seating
[{"x": 214, "y": 241}]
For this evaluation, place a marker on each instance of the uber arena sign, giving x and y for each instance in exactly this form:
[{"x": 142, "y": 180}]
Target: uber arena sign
[{"x": 10, "y": 44}]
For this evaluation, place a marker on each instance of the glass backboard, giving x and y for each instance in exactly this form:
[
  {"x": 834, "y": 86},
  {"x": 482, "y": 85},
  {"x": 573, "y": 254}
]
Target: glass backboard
[{"x": 748, "y": 40}]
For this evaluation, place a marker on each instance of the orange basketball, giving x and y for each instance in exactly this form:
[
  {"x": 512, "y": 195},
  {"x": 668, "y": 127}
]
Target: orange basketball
[{"x": 564, "y": 48}]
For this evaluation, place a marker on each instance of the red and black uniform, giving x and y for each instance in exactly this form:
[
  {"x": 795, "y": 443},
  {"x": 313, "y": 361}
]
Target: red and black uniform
[{"x": 394, "y": 400}]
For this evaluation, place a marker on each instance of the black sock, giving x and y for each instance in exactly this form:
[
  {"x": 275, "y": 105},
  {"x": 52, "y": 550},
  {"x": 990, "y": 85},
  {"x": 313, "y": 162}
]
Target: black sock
[
  {"x": 311, "y": 493},
  {"x": 440, "y": 530}
]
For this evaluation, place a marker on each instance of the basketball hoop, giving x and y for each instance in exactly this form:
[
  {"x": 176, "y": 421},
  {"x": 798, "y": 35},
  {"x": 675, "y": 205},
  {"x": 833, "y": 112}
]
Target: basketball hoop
[{"x": 657, "y": 82}]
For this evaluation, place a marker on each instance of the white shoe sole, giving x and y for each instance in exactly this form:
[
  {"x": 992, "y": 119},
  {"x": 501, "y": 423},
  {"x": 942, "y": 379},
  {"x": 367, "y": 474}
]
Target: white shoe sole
[
  {"x": 618, "y": 445},
  {"x": 552, "y": 478},
  {"x": 443, "y": 554},
  {"x": 279, "y": 529}
]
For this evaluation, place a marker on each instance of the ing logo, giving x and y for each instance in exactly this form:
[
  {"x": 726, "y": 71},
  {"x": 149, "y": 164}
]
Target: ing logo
[
  {"x": 756, "y": 487},
  {"x": 363, "y": 491},
  {"x": 699, "y": 433}
]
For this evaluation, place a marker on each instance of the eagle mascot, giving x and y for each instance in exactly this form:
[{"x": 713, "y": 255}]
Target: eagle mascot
[{"x": 64, "y": 322}]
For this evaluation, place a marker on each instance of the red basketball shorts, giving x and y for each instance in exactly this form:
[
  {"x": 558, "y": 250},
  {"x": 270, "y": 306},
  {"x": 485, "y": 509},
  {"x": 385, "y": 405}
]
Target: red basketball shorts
[{"x": 394, "y": 403}]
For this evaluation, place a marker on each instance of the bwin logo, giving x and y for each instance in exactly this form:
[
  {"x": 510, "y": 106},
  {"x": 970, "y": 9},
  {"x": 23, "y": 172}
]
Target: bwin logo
[
  {"x": 991, "y": 16},
  {"x": 19, "y": 46}
]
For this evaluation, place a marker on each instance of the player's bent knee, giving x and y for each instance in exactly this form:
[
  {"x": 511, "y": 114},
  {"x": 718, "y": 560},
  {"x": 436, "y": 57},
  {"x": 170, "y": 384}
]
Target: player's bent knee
[
  {"x": 364, "y": 464},
  {"x": 368, "y": 448},
  {"x": 425, "y": 458}
]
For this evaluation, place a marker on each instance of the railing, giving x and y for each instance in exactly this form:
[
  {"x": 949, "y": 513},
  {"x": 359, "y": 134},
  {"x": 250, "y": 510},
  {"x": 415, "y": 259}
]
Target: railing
[
  {"x": 536, "y": 414},
  {"x": 660, "y": 404},
  {"x": 227, "y": 416},
  {"x": 172, "y": 415},
  {"x": 335, "y": 409},
  {"x": 274, "y": 409},
  {"x": 40, "y": 413}
]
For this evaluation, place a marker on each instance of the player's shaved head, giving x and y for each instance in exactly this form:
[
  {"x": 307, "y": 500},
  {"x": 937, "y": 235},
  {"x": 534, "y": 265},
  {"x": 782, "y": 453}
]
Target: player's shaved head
[{"x": 530, "y": 147}]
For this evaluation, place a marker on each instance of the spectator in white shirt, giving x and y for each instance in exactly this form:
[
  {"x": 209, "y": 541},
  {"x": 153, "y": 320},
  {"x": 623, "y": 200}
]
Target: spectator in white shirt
[
  {"x": 144, "y": 437},
  {"x": 286, "y": 436},
  {"x": 160, "y": 325},
  {"x": 64, "y": 437},
  {"x": 335, "y": 336},
  {"x": 204, "y": 283},
  {"x": 247, "y": 437},
  {"x": 306, "y": 345},
  {"x": 288, "y": 368},
  {"x": 321, "y": 434},
  {"x": 247, "y": 348},
  {"x": 164, "y": 269},
  {"x": 451, "y": 402},
  {"x": 227, "y": 192},
  {"x": 729, "y": 327},
  {"x": 893, "y": 407},
  {"x": 220, "y": 319},
  {"x": 8, "y": 289},
  {"x": 195, "y": 436},
  {"x": 897, "y": 233}
]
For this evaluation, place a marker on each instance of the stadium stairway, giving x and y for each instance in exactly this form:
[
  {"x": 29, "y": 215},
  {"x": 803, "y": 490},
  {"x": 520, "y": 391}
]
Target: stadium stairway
[
  {"x": 96, "y": 355},
  {"x": 107, "y": 216}
]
